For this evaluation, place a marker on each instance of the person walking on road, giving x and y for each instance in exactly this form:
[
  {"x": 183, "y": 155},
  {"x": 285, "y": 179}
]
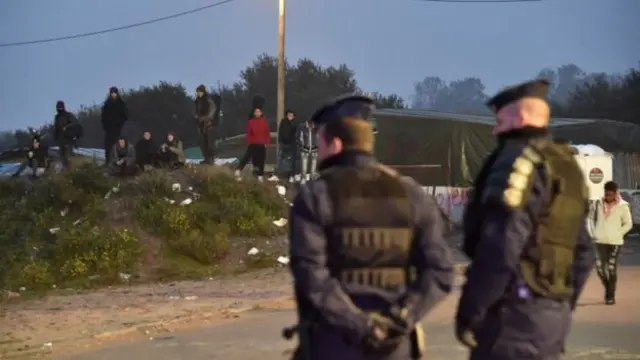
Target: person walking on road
[{"x": 610, "y": 221}]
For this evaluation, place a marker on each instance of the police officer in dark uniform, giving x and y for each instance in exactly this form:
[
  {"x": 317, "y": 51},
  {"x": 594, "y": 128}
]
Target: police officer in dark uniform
[
  {"x": 525, "y": 232},
  {"x": 368, "y": 256}
]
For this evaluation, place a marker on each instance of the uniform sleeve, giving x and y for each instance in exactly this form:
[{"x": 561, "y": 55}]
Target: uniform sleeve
[
  {"x": 307, "y": 247},
  {"x": 506, "y": 228},
  {"x": 583, "y": 262},
  {"x": 432, "y": 259}
]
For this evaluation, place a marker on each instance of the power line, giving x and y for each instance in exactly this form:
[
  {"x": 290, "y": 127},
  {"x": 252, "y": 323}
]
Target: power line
[
  {"x": 481, "y": 1},
  {"x": 119, "y": 28},
  {"x": 192, "y": 11}
]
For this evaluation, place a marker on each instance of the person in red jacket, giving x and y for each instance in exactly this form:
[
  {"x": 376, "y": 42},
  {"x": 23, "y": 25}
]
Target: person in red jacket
[{"x": 258, "y": 137}]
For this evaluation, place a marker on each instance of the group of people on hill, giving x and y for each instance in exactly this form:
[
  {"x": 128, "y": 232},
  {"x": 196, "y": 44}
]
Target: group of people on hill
[
  {"x": 297, "y": 157},
  {"x": 126, "y": 159}
]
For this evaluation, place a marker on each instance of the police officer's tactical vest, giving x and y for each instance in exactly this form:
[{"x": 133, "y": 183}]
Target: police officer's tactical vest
[
  {"x": 372, "y": 228},
  {"x": 546, "y": 266}
]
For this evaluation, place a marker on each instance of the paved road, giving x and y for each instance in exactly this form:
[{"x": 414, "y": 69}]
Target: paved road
[{"x": 599, "y": 332}]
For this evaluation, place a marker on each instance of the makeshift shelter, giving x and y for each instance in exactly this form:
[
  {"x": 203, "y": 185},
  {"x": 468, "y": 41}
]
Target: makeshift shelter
[{"x": 454, "y": 146}]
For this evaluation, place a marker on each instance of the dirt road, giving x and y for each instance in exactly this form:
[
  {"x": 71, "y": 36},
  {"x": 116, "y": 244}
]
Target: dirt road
[
  {"x": 599, "y": 332},
  {"x": 235, "y": 318}
]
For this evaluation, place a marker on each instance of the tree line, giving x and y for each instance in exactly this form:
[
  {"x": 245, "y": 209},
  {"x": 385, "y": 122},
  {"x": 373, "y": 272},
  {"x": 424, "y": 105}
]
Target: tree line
[{"x": 165, "y": 107}]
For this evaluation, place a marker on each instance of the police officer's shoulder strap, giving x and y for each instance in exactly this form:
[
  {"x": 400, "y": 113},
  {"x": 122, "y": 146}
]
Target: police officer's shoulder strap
[{"x": 511, "y": 178}]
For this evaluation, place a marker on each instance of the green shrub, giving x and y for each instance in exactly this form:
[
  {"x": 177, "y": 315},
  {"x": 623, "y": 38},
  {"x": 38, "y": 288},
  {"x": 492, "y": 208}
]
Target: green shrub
[
  {"x": 100, "y": 237},
  {"x": 223, "y": 208},
  {"x": 84, "y": 246}
]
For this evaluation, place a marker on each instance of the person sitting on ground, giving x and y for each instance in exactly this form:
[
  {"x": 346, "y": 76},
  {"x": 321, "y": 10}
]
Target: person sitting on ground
[
  {"x": 122, "y": 160},
  {"x": 37, "y": 158},
  {"x": 145, "y": 152},
  {"x": 170, "y": 154}
]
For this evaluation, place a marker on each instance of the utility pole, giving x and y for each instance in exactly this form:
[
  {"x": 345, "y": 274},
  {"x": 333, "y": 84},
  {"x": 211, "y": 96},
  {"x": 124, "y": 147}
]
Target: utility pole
[{"x": 281, "y": 75}]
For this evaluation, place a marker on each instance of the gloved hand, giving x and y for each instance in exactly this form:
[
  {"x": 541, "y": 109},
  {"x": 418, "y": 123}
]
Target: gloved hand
[
  {"x": 384, "y": 335},
  {"x": 465, "y": 334}
]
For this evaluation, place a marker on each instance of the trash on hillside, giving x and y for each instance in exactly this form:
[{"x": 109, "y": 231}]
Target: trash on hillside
[
  {"x": 47, "y": 345},
  {"x": 170, "y": 201},
  {"x": 107, "y": 195},
  {"x": 22, "y": 289},
  {"x": 284, "y": 260},
  {"x": 54, "y": 230},
  {"x": 77, "y": 222},
  {"x": 64, "y": 212},
  {"x": 125, "y": 277},
  {"x": 281, "y": 222},
  {"x": 192, "y": 297},
  {"x": 115, "y": 189},
  {"x": 273, "y": 178},
  {"x": 186, "y": 201},
  {"x": 253, "y": 251},
  {"x": 282, "y": 191},
  {"x": 176, "y": 187}
]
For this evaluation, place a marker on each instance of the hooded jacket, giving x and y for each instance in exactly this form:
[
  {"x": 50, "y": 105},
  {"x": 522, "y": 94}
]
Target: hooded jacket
[
  {"x": 145, "y": 152},
  {"x": 307, "y": 141},
  {"x": 175, "y": 147},
  {"x": 205, "y": 111},
  {"x": 126, "y": 153},
  {"x": 114, "y": 115},
  {"x": 258, "y": 132},
  {"x": 39, "y": 154},
  {"x": 62, "y": 122},
  {"x": 287, "y": 132},
  {"x": 610, "y": 227}
]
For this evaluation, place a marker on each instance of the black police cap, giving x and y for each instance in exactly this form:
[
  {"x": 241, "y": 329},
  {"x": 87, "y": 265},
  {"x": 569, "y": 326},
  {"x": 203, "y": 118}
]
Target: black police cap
[
  {"x": 537, "y": 89},
  {"x": 355, "y": 106}
]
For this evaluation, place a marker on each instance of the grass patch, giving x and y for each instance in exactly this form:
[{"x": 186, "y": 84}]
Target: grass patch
[{"x": 65, "y": 230}]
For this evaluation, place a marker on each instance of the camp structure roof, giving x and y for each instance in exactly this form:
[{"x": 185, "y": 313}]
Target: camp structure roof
[{"x": 440, "y": 148}]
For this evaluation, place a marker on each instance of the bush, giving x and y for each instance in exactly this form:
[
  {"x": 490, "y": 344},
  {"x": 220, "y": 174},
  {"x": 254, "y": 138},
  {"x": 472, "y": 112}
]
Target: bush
[
  {"x": 63, "y": 229},
  {"x": 54, "y": 231},
  {"x": 223, "y": 208}
]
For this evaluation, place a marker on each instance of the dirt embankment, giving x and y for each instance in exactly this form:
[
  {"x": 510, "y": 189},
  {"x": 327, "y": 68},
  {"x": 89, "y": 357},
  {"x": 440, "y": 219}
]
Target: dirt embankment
[{"x": 66, "y": 323}]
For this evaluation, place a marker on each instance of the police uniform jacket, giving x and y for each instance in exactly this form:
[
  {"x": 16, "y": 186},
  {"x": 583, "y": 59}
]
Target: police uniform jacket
[
  {"x": 508, "y": 318},
  {"x": 338, "y": 306}
]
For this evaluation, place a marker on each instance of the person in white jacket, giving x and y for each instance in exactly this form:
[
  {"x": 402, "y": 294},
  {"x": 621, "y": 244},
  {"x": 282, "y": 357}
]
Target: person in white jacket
[{"x": 610, "y": 221}]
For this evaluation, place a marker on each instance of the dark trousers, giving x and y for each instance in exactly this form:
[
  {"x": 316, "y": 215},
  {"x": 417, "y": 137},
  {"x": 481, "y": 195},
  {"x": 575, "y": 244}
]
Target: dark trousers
[
  {"x": 208, "y": 143},
  {"x": 257, "y": 154},
  {"x": 124, "y": 169},
  {"x": 110, "y": 139},
  {"x": 31, "y": 163},
  {"x": 168, "y": 160},
  {"x": 607, "y": 267},
  {"x": 287, "y": 160},
  {"x": 65, "y": 150}
]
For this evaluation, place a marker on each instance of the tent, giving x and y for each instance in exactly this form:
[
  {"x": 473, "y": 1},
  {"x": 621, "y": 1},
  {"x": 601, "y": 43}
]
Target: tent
[
  {"x": 193, "y": 153},
  {"x": 447, "y": 149}
]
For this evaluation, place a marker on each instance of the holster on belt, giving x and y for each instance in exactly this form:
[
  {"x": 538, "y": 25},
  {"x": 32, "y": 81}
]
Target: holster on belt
[
  {"x": 416, "y": 339},
  {"x": 303, "y": 330}
]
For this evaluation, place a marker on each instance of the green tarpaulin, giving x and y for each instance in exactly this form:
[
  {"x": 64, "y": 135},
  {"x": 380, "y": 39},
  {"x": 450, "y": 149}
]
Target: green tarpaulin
[{"x": 449, "y": 149}]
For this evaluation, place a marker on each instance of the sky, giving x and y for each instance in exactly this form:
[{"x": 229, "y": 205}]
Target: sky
[{"x": 391, "y": 44}]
